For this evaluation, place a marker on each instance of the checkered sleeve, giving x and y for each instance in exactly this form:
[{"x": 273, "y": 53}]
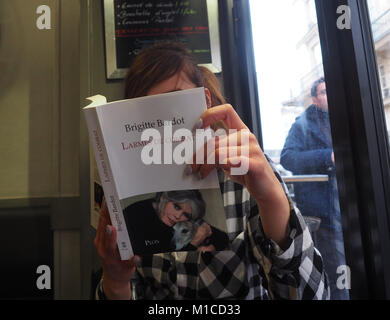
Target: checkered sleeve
[{"x": 297, "y": 272}]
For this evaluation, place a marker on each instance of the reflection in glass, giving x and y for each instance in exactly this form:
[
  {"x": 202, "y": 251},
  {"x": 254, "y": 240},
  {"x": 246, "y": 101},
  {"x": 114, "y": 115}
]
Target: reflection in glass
[
  {"x": 380, "y": 21},
  {"x": 295, "y": 121}
]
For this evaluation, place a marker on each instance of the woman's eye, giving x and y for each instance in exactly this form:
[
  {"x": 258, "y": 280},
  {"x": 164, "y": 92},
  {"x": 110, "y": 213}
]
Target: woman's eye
[{"x": 176, "y": 206}]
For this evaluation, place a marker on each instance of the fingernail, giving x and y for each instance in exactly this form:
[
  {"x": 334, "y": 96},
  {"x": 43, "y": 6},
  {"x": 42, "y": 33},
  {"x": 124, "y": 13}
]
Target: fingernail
[
  {"x": 188, "y": 170},
  {"x": 198, "y": 125},
  {"x": 108, "y": 230},
  {"x": 136, "y": 259}
]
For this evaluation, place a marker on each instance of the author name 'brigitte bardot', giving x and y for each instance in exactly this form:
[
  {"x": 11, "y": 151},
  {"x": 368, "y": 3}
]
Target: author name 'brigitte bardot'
[{"x": 139, "y": 127}]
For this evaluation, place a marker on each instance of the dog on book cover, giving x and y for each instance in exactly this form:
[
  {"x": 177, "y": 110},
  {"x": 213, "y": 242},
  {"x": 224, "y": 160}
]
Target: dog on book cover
[{"x": 172, "y": 221}]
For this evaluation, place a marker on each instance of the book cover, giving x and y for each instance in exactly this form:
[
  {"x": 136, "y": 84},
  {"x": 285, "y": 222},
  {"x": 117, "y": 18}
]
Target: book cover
[{"x": 141, "y": 147}]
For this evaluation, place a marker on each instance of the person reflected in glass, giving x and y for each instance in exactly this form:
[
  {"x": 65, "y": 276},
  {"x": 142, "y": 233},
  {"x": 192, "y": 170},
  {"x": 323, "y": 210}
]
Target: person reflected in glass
[{"x": 308, "y": 150}]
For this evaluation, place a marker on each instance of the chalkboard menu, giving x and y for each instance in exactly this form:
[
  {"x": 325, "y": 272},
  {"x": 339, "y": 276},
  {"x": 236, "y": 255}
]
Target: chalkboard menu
[{"x": 131, "y": 25}]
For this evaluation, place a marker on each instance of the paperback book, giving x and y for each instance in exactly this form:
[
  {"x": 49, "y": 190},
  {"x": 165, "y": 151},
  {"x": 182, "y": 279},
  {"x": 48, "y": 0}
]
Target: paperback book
[{"x": 141, "y": 149}]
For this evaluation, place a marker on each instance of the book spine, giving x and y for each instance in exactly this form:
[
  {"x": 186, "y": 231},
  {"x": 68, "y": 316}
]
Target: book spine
[{"x": 107, "y": 180}]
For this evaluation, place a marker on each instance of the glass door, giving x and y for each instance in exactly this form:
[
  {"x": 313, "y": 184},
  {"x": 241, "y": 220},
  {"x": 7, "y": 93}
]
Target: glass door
[
  {"x": 379, "y": 11},
  {"x": 322, "y": 76},
  {"x": 295, "y": 123}
]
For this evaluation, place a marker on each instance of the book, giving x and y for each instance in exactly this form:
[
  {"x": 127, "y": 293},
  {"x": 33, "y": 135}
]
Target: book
[{"x": 141, "y": 149}]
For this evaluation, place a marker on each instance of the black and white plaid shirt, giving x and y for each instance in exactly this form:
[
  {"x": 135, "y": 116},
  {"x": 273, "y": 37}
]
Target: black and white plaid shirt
[{"x": 253, "y": 268}]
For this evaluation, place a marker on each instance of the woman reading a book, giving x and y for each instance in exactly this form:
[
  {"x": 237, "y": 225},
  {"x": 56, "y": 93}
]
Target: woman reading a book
[
  {"x": 271, "y": 253},
  {"x": 172, "y": 221}
]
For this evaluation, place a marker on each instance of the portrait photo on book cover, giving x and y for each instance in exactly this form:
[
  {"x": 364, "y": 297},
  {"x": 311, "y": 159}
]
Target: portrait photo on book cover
[{"x": 180, "y": 220}]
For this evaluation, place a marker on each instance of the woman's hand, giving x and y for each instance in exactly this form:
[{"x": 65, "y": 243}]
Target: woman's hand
[
  {"x": 116, "y": 273},
  {"x": 257, "y": 175},
  {"x": 209, "y": 248},
  {"x": 201, "y": 234}
]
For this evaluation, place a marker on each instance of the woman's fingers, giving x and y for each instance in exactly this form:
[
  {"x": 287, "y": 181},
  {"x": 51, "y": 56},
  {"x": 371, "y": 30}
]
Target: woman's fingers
[
  {"x": 115, "y": 268},
  {"x": 234, "y": 160},
  {"x": 224, "y": 113},
  {"x": 133, "y": 263},
  {"x": 229, "y": 150},
  {"x": 209, "y": 248},
  {"x": 110, "y": 239},
  {"x": 101, "y": 225},
  {"x": 106, "y": 235},
  {"x": 216, "y": 151},
  {"x": 116, "y": 273},
  {"x": 224, "y": 157},
  {"x": 104, "y": 213},
  {"x": 104, "y": 221}
]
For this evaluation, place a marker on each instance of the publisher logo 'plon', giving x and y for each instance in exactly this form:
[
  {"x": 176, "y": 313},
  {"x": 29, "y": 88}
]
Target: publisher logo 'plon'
[{"x": 201, "y": 146}]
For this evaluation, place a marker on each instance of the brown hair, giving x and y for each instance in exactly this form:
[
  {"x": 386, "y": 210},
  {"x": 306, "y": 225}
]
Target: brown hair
[
  {"x": 157, "y": 63},
  {"x": 162, "y": 61},
  {"x": 212, "y": 83}
]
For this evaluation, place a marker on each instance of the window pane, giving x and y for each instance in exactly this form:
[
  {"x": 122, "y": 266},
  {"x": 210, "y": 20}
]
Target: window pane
[
  {"x": 295, "y": 121},
  {"x": 380, "y": 21}
]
